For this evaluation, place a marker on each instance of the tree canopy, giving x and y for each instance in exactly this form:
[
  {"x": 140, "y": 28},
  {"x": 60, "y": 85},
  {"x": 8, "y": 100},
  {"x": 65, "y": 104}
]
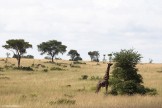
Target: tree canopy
[
  {"x": 94, "y": 55},
  {"x": 125, "y": 79},
  {"x": 74, "y": 55},
  {"x": 52, "y": 48},
  {"x": 19, "y": 45}
]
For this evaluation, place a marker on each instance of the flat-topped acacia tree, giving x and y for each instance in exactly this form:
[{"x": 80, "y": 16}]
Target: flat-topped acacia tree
[
  {"x": 52, "y": 48},
  {"x": 19, "y": 45}
]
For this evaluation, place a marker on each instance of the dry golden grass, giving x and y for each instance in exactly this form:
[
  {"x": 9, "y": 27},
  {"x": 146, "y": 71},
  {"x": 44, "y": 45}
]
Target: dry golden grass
[{"x": 39, "y": 89}]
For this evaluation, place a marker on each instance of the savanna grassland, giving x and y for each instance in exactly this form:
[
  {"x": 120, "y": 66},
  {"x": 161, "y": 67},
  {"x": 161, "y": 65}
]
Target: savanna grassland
[{"x": 59, "y": 85}]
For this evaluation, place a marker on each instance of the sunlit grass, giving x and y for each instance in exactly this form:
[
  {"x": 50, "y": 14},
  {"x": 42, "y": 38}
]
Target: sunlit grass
[{"x": 39, "y": 89}]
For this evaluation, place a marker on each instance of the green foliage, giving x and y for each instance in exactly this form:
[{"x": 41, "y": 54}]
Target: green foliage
[
  {"x": 52, "y": 48},
  {"x": 24, "y": 68},
  {"x": 28, "y": 56},
  {"x": 84, "y": 77},
  {"x": 127, "y": 58},
  {"x": 47, "y": 57},
  {"x": 125, "y": 79},
  {"x": 75, "y": 56},
  {"x": 19, "y": 45},
  {"x": 151, "y": 91},
  {"x": 94, "y": 55}
]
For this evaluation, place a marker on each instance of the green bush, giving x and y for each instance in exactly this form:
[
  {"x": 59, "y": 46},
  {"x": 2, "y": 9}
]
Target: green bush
[
  {"x": 125, "y": 79},
  {"x": 74, "y": 66},
  {"x": 95, "y": 78},
  {"x": 151, "y": 91},
  {"x": 24, "y": 68},
  {"x": 84, "y": 77},
  {"x": 45, "y": 70}
]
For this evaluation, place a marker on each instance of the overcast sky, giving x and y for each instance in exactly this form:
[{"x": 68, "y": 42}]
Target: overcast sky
[{"x": 85, "y": 25}]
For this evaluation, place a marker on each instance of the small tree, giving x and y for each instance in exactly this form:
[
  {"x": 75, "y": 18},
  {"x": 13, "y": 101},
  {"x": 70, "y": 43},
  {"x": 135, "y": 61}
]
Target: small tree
[
  {"x": 94, "y": 55},
  {"x": 91, "y": 54},
  {"x": 110, "y": 57},
  {"x": 19, "y": 45},
  {"x": 125, "y": 79},
  {"x": 52, "y": 48},
  {"x": 104, "y": 59},
  {"x": 74, "y": 55}
]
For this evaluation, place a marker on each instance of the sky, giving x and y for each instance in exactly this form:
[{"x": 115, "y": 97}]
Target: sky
[{"x": 85, "y": 25}]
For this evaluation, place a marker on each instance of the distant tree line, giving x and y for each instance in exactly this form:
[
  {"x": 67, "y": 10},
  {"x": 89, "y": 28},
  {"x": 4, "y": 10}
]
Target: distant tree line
[
  {"x": 52, "y": 48},
  {"x": 23, "y": 56}
]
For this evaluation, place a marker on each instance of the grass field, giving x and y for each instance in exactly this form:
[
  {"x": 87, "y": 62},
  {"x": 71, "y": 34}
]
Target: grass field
[{"x": 61, "y": 86}]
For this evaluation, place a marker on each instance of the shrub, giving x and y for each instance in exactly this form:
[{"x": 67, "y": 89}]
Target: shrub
[
  {"x": 74, "y": 66},
  {"x": 151, "y": 91},
  {"x": 84, "y": 77},
  {"x": 77, "y": 58},
  {"x": 95, "y": 78},
  {"x": 45, "y": 70},
  {"x": 28, "y": 56},
  {"x": 24, "y": 68},
  {"x": 57, "y": 68},
  {"x": 125, "y": 79}
]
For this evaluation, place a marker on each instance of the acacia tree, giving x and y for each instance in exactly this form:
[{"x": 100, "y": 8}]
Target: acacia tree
[
  {"x": 125, "y": 79},
  {"x": 94, "y": 55},
  {"x": 19, "y": 45},
  {"x": 91, "y": 54},
  {"x": 73, "y": 54},
  {"x": 52, "y": 48}
]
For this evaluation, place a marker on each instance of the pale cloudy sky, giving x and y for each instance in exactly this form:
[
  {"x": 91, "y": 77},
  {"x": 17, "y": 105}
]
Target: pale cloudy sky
[{"x": 85, "y": 25}]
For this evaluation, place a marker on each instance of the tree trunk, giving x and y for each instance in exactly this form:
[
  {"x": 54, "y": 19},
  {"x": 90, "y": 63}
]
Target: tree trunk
[
  {"x": 18, "y": 59},
  {"x": 52, "y": 59}
]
